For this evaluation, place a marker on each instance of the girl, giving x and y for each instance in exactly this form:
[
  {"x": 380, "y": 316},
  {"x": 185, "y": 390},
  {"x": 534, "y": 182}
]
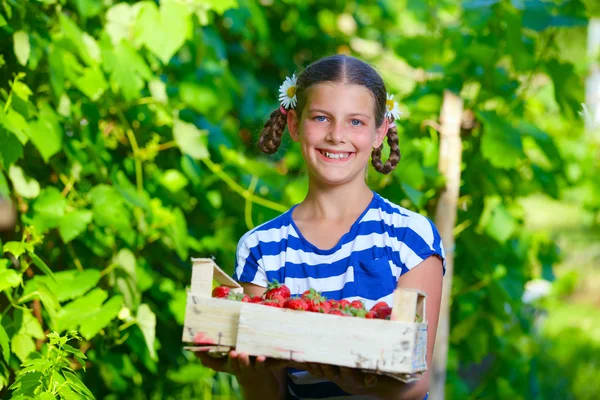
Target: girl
[{"x": 343, "y": 240}]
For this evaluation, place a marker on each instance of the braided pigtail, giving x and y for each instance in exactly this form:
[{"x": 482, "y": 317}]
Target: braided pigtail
[
  {"x": 394, "y": 158},
  {"x": 270, "y": 136}
]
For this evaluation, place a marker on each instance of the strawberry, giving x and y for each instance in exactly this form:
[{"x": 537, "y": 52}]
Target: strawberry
[
  {"x": 296, "y": 304},
  {"x": 221, "y": 291},
  {"x": 333, "y": 303},
  {"x": 335, "y": 311},
  {"x": 370, "y": 315},
  {"x": 246, "y": 298},
  {"x": 276, "y": 301},
  {"x": 358, "y": 305},
  {"x": 277, "y": 289},
  {"x": 316, "y": 301},
  {"x": 382, "y": 310},
  {"x": 343, "y": 303},
  {"x": 256, "y": 299},
  {"x": 379, "y": 305}
]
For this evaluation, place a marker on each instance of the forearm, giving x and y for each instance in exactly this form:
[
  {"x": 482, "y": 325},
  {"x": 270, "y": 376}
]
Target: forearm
[
  {"x": 261, "y": 387},
  {"x": 391, "y": 389}
]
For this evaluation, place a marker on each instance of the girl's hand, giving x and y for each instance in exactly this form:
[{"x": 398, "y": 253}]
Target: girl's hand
[
  {"x": 350, "y": 380},
  {"x": 239, "y": 364}
]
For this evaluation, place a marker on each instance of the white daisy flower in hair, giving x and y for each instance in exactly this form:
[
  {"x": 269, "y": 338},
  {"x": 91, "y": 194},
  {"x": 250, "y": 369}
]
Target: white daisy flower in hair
[
  {"x": 287, "y": 92},
  {"x": 392, "y": 109}
]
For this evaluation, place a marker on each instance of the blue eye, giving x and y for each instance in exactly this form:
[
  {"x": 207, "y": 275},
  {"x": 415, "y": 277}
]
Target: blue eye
[
  {"x": 320, "y": 118},
  {"x": 356, "y": 122}
]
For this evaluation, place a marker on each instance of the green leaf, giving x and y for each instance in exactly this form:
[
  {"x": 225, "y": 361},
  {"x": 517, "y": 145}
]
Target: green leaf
[
  {"x": 191, "y": 140},
  {"x": 46, "y": 132},
  {"x": 501, "y": 143},
  {"x": 75, "y": 383},
  {"x": 120, "y": 21},
  {"x": 178, "y": 233},
  {"x": 163, "y": 31},
  {"x": 9, "y": 279},
  {"x": 22, "y": 345},
  {"x": 4, "y": 342},
  {"x": 11, "y": 149},
  {"x": 128, "y": 70},
  {"x": 146, "y": 320},
  {"x": 26, "y": 384},
  {"x": 45, "y": 396},
  {"x": 568, "y": 88},
  {"x": 91, "y": 83},
  {"x": 173, "y": 180},
  {"x": 100, "y": 319},
  {"x": 16, "y": 248},
  {"x": 22, "y": 46},
  {"x": 4, "y": 189},
  {"x": 77, "y": 311},
  {"x": 15, "y": 123},
  {"x": 41, "y": 264},
  {"x": 201, "y": 98},
  {"x": 68, "y": 284},
  {"x": 47, "y": 297},
  {"x": 109, "y": 208},
  {"x": 29, "y": 325},
  {"x": 48, "y": 209},
  {"x": 126, "y": 259},
  {"x": 73, "y": 224},
  {"x": 24, "y": 186},
  {"x": 220, "y": 6}
]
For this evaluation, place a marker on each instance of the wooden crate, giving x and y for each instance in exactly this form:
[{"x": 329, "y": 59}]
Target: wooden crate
[{"x": 395, "y": 347}]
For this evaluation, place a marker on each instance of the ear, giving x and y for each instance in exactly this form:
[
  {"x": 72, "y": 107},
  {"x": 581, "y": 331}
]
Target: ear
[
  {"x": 293, "y": 124},
  {"x": 381, "y": 132}
]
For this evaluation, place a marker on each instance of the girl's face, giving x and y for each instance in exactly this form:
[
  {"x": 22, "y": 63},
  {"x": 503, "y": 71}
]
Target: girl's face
[{"x": 337, "y": 132}]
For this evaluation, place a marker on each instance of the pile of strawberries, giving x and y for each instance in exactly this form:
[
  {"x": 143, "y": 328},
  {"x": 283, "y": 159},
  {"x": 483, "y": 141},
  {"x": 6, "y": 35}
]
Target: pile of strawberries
[{"x": 278, "y": 295}]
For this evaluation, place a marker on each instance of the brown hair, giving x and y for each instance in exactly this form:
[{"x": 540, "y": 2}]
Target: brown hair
[{"x": 337, "y": 68}]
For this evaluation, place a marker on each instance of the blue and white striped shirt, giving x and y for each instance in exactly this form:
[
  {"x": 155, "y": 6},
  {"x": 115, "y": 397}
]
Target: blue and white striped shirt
[{"x": 385, "y": 242}]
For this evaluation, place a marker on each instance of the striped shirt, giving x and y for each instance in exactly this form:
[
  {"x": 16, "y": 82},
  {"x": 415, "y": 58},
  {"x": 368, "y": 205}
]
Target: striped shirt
[{"x": 385, "y": 242}]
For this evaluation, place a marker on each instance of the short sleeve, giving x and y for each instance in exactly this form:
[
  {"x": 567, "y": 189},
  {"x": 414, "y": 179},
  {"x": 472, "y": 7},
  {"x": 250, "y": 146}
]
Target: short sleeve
[
  {"x": 421, "y": 240},
  {"x": 248, "y": 267}
]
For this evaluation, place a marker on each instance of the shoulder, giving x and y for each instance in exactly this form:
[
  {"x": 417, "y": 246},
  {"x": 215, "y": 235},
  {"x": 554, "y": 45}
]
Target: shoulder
[
  {"x": 402, "y": 218},
  {"x": 273, "y": 230}
]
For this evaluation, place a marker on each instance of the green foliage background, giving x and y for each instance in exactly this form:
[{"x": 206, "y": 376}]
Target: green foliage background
[{"x": 128, "y": 145}]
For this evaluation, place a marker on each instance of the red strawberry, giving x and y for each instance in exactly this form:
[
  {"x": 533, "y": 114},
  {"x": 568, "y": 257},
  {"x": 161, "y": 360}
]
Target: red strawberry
[
  {"x": 370, "y": 315},
  {"x": 379, "y": 305},
  {"x": 246, "y": 298},
  {"x": 384, "y": 312},
  {"x": 296, "y": 304},
  {"x": 336, "y": 312},
  {"x": 316, "y": 301},
  {"x": 276, "y": 301},
  {"x": 333, "y": 303},
  {"x": 357, "y": 304},
  {"x": 256, "y": 299},
  {"x": 343, "y": 303},
  {"x": 277, "y": 289},
  {"x": 221, "y": 291}
]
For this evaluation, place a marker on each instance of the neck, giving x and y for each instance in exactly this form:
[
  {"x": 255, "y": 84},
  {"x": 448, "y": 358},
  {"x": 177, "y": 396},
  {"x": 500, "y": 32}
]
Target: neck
[{"x": 336, "y": 202}]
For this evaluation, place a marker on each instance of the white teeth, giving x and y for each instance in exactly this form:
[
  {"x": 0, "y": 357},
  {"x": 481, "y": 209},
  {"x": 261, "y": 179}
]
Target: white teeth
[{"x": 335, "y": 155}]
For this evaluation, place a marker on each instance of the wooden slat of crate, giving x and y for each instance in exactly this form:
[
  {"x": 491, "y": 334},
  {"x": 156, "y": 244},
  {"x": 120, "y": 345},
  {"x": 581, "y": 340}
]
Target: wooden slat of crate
[
  {"x": 346, "y": 341},
  {"x": 211, "y": 321}
]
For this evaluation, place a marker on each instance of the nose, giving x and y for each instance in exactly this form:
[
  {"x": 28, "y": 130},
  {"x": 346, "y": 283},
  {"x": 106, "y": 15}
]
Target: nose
[{"x": 337, "y": 133}]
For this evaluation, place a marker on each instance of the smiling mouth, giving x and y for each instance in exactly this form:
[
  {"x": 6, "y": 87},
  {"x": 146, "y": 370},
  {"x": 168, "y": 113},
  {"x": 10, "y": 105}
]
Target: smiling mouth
[{"x": 335, "y": 156}]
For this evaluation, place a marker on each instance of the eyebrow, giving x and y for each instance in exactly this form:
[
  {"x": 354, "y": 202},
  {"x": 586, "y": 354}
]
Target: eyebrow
[{"x": 351, "y": 115}]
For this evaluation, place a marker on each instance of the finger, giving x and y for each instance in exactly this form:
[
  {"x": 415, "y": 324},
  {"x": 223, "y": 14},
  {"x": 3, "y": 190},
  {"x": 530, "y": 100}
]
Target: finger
[
  {"x": 234, "y": 365},
  {"x": 218, "y": 364},
  {"x": 260, "y": 363},
  {"x": 244, "y": 360}
]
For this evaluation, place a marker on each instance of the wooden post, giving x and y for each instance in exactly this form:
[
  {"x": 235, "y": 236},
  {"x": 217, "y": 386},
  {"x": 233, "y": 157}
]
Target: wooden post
[{"x": 445, "y": 220}]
